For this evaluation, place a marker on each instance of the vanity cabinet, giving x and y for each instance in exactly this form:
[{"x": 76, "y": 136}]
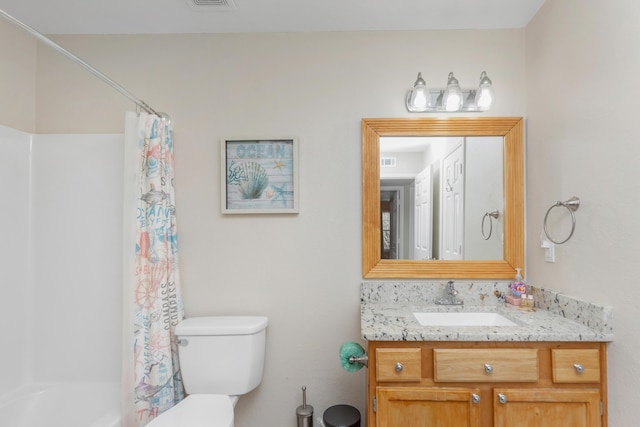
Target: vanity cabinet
[{"x": 483, "y": 384}]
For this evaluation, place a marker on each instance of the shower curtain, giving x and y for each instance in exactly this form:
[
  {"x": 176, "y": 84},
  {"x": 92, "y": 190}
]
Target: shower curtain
[{"x": 153, "y": 301}]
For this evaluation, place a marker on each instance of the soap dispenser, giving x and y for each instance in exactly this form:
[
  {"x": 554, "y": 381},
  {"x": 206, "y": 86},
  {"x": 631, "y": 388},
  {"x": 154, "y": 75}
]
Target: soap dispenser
[
  {"x": 517, "y": 286},
  {"x": 518, "y": 290}
]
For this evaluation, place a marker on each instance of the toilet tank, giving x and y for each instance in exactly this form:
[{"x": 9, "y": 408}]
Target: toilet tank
[{"x": 221, "y": 354}]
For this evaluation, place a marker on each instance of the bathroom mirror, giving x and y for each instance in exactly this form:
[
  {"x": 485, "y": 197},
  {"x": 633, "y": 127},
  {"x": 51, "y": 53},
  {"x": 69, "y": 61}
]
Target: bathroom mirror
[{"x": 512, "y": 215}]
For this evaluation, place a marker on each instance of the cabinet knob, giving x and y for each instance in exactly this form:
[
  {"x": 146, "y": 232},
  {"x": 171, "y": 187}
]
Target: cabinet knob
[
  {"x": 488, "y": 368},
  {"x": 399, "y": 367},
  {"x": 475, "y": 398},
  {"x": 579, "y": 368},
  {"x": 502, "y": 398}
]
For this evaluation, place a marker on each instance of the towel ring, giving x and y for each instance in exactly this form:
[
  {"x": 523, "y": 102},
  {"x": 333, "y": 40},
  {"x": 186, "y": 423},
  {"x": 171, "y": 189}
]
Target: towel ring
[
  {"x": 572, "y": 205},
  {"x": 494, "y": 214}
]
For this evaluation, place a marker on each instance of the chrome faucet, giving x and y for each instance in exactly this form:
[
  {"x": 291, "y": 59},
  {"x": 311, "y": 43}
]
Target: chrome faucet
[{"x": 451, "y": 297}]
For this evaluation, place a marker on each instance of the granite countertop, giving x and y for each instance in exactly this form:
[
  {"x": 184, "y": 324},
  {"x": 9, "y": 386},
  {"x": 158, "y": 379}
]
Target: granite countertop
[{"x": 387, "y": 314}]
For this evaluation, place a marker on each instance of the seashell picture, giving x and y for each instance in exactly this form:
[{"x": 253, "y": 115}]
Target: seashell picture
[{"x": 259, "y": 176}]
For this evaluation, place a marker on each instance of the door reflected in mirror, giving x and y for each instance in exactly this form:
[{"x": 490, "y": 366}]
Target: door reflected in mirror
[{"x": 441, "y": 198}]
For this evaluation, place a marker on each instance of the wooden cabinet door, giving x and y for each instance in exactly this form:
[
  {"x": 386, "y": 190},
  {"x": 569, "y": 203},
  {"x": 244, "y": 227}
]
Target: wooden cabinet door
[
  {"x": 546, "y": 408},
  {"x": 427, "y": 407}
]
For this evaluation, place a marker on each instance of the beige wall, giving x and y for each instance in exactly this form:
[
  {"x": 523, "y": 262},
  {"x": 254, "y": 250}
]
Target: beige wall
[
  {"x": 582, "y": 119},
  {"x": 17, "y": 78},
  {"x": 303, "y": 271}
]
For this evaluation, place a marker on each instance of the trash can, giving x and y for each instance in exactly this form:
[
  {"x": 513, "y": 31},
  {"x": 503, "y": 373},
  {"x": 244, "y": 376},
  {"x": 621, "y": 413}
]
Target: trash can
[{"x": 341, "y": 416}]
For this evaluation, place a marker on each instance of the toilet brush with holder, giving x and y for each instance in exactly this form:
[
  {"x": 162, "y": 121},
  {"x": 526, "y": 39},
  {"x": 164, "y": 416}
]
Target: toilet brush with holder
[{"x": 304, "y": 412}]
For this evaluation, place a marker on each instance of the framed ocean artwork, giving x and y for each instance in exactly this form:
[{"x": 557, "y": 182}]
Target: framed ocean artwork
[{"x": 259, "y": 176}]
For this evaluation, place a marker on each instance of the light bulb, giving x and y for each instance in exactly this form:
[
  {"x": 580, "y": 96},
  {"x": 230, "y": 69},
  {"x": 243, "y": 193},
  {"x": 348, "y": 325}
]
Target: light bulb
[
  {"x": 452, "y": 95},
  {"x": 485, "y": 95},
  {"x": 418, "y": 97}
]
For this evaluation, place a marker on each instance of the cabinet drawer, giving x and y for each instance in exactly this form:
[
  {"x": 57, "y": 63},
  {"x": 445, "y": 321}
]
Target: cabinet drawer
[
  {"x": 485, "y": 365},
  {"x": 398, "y": 364},
  {"x": 575, "y": 365}
]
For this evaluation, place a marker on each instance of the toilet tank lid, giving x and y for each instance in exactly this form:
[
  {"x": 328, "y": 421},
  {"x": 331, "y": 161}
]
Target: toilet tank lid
[{"x": 222, "y": 325}]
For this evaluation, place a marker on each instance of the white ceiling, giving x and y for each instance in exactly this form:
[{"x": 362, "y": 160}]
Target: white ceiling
[{"x": 180, "y": 16}]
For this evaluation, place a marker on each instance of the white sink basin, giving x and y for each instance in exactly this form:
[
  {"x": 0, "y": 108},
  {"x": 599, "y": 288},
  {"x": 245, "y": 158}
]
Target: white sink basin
[{"x": 462, "y": 319}]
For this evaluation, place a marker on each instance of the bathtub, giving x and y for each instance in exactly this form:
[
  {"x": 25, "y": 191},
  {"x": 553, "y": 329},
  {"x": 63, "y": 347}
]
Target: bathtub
[{"x": 62, "y": 405}]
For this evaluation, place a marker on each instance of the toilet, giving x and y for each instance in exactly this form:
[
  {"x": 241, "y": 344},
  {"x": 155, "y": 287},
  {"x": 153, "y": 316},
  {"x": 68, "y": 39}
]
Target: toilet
[{"x": 221, "y": 358}]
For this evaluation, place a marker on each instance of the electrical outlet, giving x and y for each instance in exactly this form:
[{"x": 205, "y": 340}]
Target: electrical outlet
[{"x": 549, "y": 250}]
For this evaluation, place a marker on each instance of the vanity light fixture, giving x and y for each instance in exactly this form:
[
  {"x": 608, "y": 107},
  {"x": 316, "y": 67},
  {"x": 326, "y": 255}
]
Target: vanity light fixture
[{"x": 452, "y": 98}]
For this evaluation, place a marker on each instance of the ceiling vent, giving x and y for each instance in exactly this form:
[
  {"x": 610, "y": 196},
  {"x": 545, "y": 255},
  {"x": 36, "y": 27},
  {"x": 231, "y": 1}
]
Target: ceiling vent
[
  {"x": 387, "y": 162},
  {"x": 213, "y": 4}
]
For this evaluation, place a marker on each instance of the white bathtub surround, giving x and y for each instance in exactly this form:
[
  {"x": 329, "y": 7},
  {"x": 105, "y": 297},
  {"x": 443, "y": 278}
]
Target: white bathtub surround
[
  {"x": 387, "y": 314},
  {"x": 15, "y": 148},
  {"x": 67, "y": 404},
  {"x": 63, "y": 272}
]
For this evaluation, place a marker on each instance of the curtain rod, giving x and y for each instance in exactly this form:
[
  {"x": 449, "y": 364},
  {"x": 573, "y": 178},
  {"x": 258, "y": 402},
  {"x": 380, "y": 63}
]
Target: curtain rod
[{"x": 82, "y": 63}]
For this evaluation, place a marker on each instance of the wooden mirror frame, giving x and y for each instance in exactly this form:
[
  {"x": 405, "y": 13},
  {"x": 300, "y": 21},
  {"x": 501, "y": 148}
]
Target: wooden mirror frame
[{"x": 512, "y": 129}]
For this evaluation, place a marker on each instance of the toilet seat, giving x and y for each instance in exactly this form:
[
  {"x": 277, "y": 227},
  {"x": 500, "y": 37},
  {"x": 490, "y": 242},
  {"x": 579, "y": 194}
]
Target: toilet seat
[{"x": 198, "y": 410}]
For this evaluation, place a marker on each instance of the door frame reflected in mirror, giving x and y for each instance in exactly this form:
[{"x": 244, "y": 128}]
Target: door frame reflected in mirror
[{"x": 511, "y": 129}]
